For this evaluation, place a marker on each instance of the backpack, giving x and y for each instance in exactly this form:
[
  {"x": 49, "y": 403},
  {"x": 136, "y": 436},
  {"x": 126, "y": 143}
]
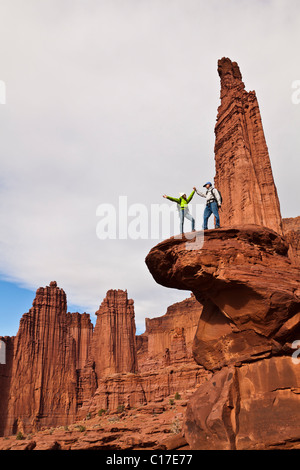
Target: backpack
[
  {"x": 221, "y": 199},
  {"x": 212, "y": 191}
]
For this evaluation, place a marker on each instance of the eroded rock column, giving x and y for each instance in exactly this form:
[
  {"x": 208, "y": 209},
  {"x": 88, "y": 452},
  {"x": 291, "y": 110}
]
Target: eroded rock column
[{"x": 243, "y": 169}]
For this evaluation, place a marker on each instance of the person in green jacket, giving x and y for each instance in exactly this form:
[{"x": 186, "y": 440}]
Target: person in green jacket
[{"x": 182, "y": 205}]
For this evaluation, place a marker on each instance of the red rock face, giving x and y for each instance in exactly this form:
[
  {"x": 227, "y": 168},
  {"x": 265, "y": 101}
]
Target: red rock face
[
  {"x": 251, "y": 407},
  {"x": 168, "y": 339},
  {"x": 291, "y": 228},
  {"x": 113, "y": 348},
  {"x": 43, "y": 364},
  {"x": 247, "y": 278},
  {"x": 246, "y": 311},
  {"x": 159, "y": 362},
  {"x": 43, "y": 369},
  {"x": 81, "y": 329},
  {"x": 243, "y": 170},
  {"x": 59, "y": 369},
  {"x": 250, "y": 292},
  {"x": 5, "y": 378}
]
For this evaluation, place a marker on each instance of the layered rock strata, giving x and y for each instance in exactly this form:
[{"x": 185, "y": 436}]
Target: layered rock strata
[
  {"x": 250, "y": 292},
  {"x": 43, "y": 381},
  {"x": 168, "y": 339},
  {"x": 58, "y": 368},
  {"x": 113, "y": 347},
  {"x": 291, "y": 229},
  {"x": 243, "y": 169},
  {"x": 5, "y": 377},
  {"x": 163, "y": 364}
]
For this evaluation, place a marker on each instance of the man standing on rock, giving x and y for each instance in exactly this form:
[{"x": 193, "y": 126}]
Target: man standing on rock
[
  {"x": 213, "y": 204},
  {"x": 183, "y": 208}
]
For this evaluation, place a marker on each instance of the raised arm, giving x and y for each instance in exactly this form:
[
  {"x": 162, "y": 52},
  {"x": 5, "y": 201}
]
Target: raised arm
[
  {"x": 190, "y": 196},
  {"x": 200, "y": 193}
]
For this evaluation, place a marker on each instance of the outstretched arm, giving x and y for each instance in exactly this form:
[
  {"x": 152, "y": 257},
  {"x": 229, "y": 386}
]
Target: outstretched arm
[
  {"x": 174, "y": 199},
  {"x": 200, "y": 193}
]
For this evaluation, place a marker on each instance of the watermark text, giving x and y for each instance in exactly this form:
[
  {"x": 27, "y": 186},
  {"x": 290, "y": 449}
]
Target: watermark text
[
  {"x": 296, "y": 354},
  {"x": 2, "y": 92},
  {"x": 296, "y": 94},
  {"x": 139, "y": 221},
  {"x": 2, "y": 352}
]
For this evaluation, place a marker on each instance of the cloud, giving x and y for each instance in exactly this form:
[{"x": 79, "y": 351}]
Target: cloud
[{"x": 118, "y": 98}]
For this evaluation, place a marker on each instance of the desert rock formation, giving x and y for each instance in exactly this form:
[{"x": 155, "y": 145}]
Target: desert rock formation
[
  {"x": 59, "y": 368},
  {"x": 159, "y": 362},
  {"x": 250, "y": 292},
  {"x": 227, "y": 349},
  {"x": 113, "y": 346},
  {"x": 246, "y": 275},
  {"x": 291, "y": 228},
  {"x": 43, "y": 363},
  {"x": 243, "y": 169}
]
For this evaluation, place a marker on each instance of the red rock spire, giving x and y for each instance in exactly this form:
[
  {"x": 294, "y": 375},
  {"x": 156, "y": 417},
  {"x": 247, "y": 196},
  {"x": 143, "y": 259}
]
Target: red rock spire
[
  {"x": 43, "y": 385},
  {"x": 114, "y": 344},
  {"x": 243, "y": 169}
]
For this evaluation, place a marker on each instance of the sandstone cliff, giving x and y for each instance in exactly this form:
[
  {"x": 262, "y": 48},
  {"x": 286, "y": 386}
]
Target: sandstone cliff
[
  {"x": 168, "y": 339},
  {"x": 5, "y": 379},
  {"x": 43, "y": 363},
  {"x": 147, "y": 368},
  {"x": 250, "y": 292},
  {"x": 247, "y": 277},
  {"x": 113, "y": 346},
  {"x": 81, "y": 329},
  {"x": 235, "y": 275},
  {"x": 243, "y": 169},
  {"x": 291, "y": 228},
  {"x": 59, "y": 368},
  {"x": 228, "y": 347}
]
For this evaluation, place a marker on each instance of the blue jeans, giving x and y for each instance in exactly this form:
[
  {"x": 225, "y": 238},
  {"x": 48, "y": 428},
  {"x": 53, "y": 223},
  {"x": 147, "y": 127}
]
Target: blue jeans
[
  {"x": 183, "y": 213},
  {"x": 211, "y": 208}
]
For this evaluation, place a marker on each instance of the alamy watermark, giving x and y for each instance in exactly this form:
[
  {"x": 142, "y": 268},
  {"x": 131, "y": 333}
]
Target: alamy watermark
[
  {"x": 2, "y": 352},
  {"x": 139, "y": 221},
  {"x": 296, "y": 354},
  {"x": 296, "y": 94},
  {"x": 2, "y": 92}
]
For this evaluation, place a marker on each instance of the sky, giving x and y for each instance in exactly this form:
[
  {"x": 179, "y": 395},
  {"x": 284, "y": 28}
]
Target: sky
[{"x": 110, "y": 98}]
